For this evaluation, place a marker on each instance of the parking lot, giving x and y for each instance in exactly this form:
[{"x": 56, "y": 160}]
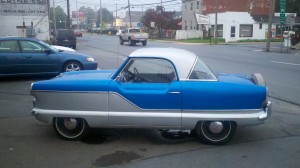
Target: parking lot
[{"x": 25, "y": 142}]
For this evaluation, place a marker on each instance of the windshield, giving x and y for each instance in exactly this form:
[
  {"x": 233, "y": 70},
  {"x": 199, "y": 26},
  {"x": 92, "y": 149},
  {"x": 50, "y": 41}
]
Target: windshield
[{"x": 202, "y": 72}]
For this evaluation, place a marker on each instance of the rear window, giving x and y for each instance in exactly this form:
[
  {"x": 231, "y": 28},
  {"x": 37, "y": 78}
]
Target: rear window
[
  {"x": 65, "y": 33},
  {"x": 134, "y": 30}
]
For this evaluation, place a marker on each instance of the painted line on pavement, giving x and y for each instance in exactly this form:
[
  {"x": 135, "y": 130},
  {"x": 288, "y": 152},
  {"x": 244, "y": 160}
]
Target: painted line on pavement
[{"x": 287, "y": 63}]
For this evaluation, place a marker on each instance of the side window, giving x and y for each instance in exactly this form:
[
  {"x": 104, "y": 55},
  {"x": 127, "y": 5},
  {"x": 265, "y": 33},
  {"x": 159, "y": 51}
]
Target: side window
[
  {"x": 202, "y": 72},
  {"x": 148, "y": 70},
  {"x": 31, "y": 47},
  {"x": 9, "y": 47}
]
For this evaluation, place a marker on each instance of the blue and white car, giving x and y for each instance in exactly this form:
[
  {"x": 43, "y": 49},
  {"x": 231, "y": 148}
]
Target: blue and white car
[{"x": 160, "y": 88}]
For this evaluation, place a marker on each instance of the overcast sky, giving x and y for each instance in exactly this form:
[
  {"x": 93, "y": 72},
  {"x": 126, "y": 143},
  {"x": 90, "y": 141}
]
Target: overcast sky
[{"x": 138, "y": 5}]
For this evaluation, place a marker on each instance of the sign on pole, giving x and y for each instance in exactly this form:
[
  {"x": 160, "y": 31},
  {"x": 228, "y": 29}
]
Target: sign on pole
[
  {"x": 282, "y": 11},
  {"x": 202, "y": 19}
]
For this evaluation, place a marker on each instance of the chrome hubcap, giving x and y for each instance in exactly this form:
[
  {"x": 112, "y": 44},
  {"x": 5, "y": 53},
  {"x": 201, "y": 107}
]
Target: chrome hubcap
[
  {"x": 72, "y": 67},
  {"x": 216, "y": 127},
  {"x": 70, "y": 123}
]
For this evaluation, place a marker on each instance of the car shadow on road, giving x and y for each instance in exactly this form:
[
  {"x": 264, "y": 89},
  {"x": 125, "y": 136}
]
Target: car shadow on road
[{"x": 99, "y": 136}]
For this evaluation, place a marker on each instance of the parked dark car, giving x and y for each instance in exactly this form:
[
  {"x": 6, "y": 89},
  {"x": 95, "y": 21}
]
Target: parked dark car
[
  {"x": 64, "y": 37},
  {"x": 27, "y": 56}
]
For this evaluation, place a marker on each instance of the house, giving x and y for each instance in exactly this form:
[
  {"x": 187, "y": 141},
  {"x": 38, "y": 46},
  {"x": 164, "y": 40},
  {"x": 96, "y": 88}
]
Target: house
[{"x": 237, "y": 19}]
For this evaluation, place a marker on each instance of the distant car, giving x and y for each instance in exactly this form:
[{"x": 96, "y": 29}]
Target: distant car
[
  {"x": 27, "y": 56},
  {"x": 133, "y": 36},
  {"x": 78, "y": 33},
  {"x": 63, "y": 48},
  {"x": 159, "y": 88},
  {"x": 64, "y": 37}
]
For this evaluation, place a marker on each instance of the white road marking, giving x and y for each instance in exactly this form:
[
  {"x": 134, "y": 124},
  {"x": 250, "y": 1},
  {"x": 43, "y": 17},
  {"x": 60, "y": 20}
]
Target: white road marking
[{"x": 287, "y": 63}]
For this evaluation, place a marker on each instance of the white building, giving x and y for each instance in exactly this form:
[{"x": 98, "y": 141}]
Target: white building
[
  {"x": 25, "y": 18},
  {"x": 234, "y": 26}
]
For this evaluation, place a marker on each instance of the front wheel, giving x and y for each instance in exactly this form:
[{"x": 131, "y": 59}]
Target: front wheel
[
  {"x": 144, "y": 43},
  {"x": 70, "y": 128},
  {"x": 215, "y": 132},
  {"x": 72, "y": 66}
]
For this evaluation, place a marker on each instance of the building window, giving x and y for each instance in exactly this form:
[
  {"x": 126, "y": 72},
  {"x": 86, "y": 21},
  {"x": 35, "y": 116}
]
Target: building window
[
  {"x": 232, "y": 31},
  {"x": 191, "y": 6},
  {"x": 260, "y": 26},
  {"x": 246, "y": 30},
  {"x": 219, "y": 31},
  {"x": 198, "y": 3}
]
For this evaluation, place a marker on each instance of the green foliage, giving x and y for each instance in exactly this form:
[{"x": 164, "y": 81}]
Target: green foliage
[
  {"x": 60, "y": 16},
  {"x": 292, "y": 6}
]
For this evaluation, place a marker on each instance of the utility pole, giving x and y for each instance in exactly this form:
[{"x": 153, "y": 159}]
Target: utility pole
[
  {"x": 116, "y": 11},
  {"x": 54, "y": 16},
  {"x": 216, "y": 21},
  {"x": 129, "y": 14},
  {"x": 101, "y": 22},
  {"x": 77, "y": 27},
  {"x": 68, "y": 14},
  {"x": 270, "y": 25}
]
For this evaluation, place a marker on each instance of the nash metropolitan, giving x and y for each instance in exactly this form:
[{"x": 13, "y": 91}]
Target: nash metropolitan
[{"x": 157, "y": 88}]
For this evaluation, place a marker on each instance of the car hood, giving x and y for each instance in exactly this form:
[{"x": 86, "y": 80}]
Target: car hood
[
  {"x": 234, "y": 78},
  {"x": 78, "y": 81}
]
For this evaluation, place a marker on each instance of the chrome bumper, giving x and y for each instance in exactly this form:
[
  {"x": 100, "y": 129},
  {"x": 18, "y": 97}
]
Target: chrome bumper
[{"x": 268, "y": 111}]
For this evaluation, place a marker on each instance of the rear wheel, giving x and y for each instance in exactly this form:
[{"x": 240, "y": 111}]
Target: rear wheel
[
  {"x": 215, "y": 132},
  {"x": 70, "y": 128},
  {"x": 121, "y": 41}
]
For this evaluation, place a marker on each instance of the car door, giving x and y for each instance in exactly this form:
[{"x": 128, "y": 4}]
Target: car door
[
  {"x": 37, "y": 60},
  {"x": 11, "y": 59},
  {"x": 145, "y": 93}
]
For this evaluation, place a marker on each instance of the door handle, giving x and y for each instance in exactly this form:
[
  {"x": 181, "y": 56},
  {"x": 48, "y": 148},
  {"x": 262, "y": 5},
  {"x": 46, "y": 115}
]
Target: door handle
[{"x": 174, "y": 92}]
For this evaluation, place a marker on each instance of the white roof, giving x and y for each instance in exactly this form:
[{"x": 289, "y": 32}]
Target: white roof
[{"x": 182, "y": 59}]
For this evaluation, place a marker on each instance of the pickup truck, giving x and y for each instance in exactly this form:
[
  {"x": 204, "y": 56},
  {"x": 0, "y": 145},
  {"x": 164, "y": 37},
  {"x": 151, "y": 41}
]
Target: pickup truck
[{"x": 133, "y": 36}]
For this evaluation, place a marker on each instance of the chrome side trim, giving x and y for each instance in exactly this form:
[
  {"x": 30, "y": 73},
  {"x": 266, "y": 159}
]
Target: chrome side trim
[{"x": 146, "y": 114}]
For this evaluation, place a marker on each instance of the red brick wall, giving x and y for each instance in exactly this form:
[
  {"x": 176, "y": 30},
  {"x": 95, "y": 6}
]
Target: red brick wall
[{"x": 259, "y": 7}]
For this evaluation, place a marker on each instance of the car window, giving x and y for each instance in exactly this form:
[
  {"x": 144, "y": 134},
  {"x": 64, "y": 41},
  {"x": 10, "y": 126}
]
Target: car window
[
  {"x": 134, "y": 30},
  {"x": 65, "y": 33},
  {"x": 148, "y": 70},
  {"x": 9, "y": 46},
  {"x": 202, "y": 72},
  {"x": 31, "y": 47}
]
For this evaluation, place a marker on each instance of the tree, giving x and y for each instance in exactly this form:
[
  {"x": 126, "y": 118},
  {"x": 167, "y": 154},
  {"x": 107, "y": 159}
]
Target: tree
[
  {"x": 60, "y": 16},
  {"x": 107, "y": 16},
  {"x": 90, "y": 15},
  {"x": 292, "y": 6},
  {"x": 163, "y": 19}
]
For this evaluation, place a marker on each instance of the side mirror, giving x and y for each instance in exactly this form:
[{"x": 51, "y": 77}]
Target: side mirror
[{"x": 48, "y": 51}]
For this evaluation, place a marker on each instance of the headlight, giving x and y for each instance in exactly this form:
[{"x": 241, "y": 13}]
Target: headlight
[{"x": 90, "y": 59}]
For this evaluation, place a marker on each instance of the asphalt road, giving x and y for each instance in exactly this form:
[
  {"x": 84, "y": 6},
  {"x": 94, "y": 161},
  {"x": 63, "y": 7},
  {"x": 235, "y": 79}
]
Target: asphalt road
[{"x": 25, "y": 142}]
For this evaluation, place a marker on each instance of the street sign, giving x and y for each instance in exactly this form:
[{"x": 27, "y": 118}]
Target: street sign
[
  {"x": 202, "y": 19},
  {"x": 282, "y": 11}
]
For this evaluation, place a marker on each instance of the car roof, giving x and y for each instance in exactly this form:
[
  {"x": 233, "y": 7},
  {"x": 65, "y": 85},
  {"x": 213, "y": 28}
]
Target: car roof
[{"x": 182, "y": 59}]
